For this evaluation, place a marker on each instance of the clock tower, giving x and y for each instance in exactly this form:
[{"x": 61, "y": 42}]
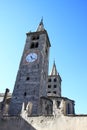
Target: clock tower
[{"x": 31, "y": 80}]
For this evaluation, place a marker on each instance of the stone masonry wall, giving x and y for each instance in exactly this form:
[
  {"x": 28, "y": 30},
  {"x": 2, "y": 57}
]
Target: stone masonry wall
[{"x": 44, "y": 123}]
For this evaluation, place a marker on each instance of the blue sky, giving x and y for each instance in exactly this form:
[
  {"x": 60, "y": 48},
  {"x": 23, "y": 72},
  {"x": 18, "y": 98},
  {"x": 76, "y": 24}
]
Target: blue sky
[{"x": 66, "y": 24}]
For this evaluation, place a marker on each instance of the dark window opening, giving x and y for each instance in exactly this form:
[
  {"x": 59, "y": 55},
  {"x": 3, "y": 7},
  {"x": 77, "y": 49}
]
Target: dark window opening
[
  {"x": 46, "y": 51},
  {"x": 49, "y": 80},
  {"x": 55, "y": 80},
  {"x": 35, "y": 37},
  {"x": 49, "y": 92},
  {"x": 58, "y": 104},
  {"x": 54, "y": 92},
  {"x": 34, "y": 45},
  {"x": 27, "y": 78},
  {"x": 25, "y": 94},
  {"x": 49, "y": 86},
  {"x": 55, "y": 86},
  {"x": 24, "y": 106}
]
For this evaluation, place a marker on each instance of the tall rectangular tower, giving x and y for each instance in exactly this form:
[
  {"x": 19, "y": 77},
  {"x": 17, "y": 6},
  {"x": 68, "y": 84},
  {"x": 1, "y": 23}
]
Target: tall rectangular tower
[{"x": 31, "y": 79}]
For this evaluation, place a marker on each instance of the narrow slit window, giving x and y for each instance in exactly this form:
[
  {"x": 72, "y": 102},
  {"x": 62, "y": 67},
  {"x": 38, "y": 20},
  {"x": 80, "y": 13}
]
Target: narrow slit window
[
  {"x": 25, "y": 94},
  {"x": 46, "y": 51},
  {"x": 27, "y": 78},
  {"x": 55, "y": 79}
]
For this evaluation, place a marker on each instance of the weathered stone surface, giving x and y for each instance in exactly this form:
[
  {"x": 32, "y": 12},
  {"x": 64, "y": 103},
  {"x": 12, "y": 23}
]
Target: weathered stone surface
[{"x": 44, "y": 123}]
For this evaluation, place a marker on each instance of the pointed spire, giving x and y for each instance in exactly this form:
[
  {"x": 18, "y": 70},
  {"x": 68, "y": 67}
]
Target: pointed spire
[
  {"x": 54, "y": 70},
  {"x": 41, "y": 26}
]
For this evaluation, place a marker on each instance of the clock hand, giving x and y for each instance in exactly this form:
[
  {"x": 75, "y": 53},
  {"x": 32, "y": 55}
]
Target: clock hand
[{"x": 32, "y": 58}]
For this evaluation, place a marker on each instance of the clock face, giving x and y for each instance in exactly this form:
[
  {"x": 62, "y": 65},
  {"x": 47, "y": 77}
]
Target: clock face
[{"x": 31, "y": 57}]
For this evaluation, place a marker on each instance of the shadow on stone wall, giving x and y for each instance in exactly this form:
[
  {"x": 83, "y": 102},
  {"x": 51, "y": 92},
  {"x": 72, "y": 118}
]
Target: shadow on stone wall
[{"x": 14, "y": 123}]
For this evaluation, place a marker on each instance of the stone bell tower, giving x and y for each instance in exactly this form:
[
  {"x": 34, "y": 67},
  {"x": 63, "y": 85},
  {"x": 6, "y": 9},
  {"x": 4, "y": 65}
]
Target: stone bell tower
[
  {"x": 32, "y": 75},
  {"x": 54, "y": 83}
]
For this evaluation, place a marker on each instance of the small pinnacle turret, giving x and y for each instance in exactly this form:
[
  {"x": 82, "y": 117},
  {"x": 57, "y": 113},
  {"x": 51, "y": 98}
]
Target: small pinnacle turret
[
  {"x": 54, "y": 70},
  {"x": 41, "y": 26}
]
